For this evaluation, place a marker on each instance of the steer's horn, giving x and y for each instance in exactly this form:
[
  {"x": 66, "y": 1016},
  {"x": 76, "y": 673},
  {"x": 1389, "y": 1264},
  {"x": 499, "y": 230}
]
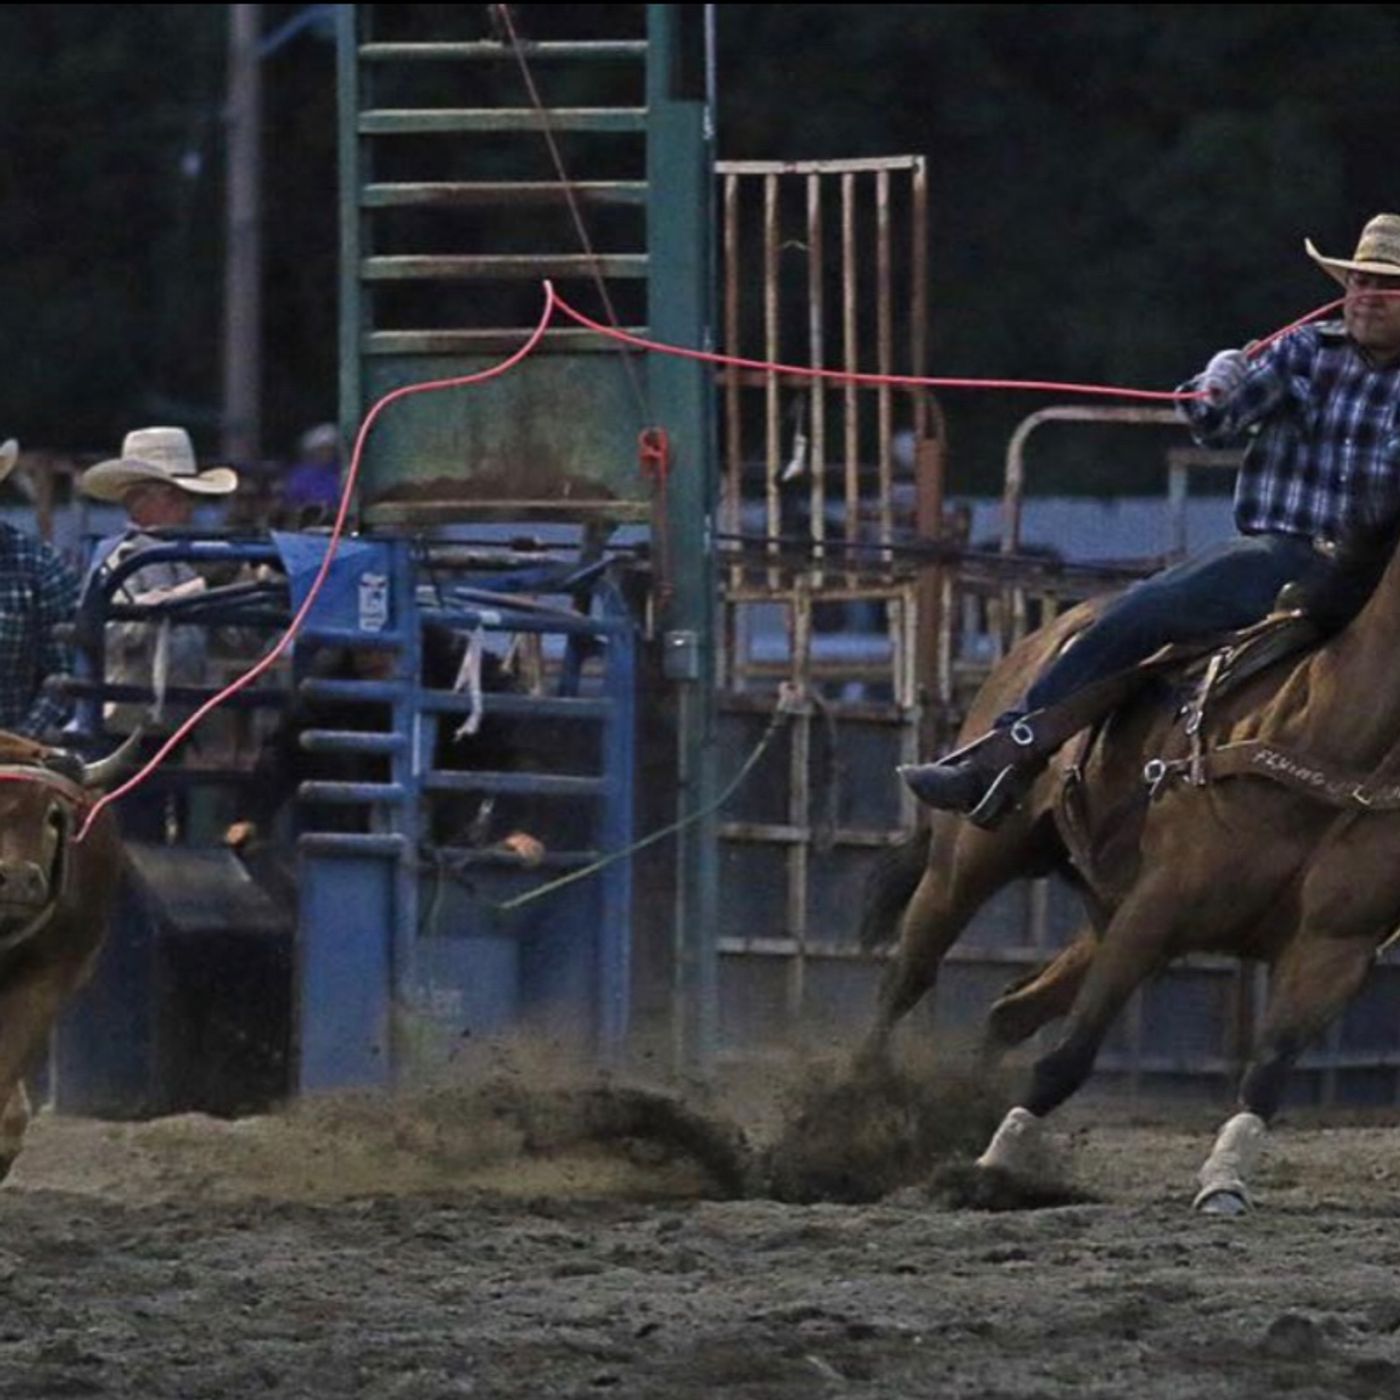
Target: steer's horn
[{"x": 106, "y": 770}]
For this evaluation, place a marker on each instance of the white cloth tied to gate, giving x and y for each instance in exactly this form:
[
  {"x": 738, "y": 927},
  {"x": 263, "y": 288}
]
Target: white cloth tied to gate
[
  {"x": 160, "y": 668},
  {"x": 469, "y": 680},
  {"x": 160, "y": 659}
]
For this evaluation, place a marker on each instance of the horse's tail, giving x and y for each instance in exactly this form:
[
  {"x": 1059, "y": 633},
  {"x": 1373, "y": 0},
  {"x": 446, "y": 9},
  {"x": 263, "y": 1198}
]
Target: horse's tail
[{"x": 890, "y": 886}]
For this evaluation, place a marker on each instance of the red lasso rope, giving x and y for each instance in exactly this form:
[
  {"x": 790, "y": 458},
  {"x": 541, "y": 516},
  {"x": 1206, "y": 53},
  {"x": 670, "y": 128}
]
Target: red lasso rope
[
  {"x": 249, "y": 676},
  {"x": 930, "y": 381},
  {"x": 553, "y": 302}
]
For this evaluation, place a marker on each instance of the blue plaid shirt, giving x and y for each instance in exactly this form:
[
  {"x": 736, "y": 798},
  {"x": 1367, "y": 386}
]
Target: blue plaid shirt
[
  {"x": 1324, "y": 456},
  {"x": 37, "y": 592}
]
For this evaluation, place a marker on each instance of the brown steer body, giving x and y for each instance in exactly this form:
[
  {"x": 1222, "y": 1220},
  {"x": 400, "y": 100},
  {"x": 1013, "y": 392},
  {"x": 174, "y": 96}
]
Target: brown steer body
[{"x": 55, "y": 897}]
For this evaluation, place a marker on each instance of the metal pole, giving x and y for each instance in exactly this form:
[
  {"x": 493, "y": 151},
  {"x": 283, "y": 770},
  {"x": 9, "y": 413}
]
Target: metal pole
[
  {"x": 242, "y": 408},
  {"x": 679, "y": 174}
]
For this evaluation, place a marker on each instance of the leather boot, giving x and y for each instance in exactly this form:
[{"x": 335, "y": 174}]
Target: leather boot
[
  {"x": 949, "y": 786},
  {"x": 977, "y": 781}
]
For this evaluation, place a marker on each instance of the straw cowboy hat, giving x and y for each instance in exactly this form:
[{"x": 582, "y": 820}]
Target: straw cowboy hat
[
  {"x": 9, "y": 455},
  {"x": 156, "y": 454},
  {"x": 1377, "y": 251}
]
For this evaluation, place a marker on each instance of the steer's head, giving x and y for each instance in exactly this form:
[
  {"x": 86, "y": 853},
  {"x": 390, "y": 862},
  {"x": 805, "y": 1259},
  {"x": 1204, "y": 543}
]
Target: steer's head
[{"x": 44, "y": 795}]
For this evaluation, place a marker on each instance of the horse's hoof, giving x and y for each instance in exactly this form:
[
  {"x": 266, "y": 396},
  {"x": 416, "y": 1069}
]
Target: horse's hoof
[{"x": 1222, "y": 1202}]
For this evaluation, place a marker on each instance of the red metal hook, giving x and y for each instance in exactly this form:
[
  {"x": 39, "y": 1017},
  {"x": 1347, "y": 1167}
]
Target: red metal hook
[{"x": 654, "y": 453}]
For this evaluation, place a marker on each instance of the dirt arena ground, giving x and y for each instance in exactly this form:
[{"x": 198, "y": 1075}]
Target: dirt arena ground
[{"x": 470, "y": 1243}]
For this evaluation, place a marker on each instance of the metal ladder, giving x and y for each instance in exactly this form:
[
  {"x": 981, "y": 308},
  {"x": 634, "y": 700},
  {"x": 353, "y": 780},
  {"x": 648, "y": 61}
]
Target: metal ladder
[{"x": 453, "y": 215}]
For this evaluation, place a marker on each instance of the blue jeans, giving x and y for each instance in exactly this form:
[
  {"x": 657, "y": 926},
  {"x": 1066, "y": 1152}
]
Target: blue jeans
[{"x": 1229, "y": 585}]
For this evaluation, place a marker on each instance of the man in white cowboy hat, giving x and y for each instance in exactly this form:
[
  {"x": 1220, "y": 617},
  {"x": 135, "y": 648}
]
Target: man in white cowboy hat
[
  {"x": 1317, "y": 494},
  {"x": 38, "y": 591},
  {"x": 158, "y": 482}
]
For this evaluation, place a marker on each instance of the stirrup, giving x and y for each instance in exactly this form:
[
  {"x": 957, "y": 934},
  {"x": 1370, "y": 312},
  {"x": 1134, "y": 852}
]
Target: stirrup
[{"x": 1002, "y": 796}]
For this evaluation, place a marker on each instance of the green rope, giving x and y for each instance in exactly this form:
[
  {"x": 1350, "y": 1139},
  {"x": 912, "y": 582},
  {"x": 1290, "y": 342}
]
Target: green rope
[{"x": 780, "y": 717}]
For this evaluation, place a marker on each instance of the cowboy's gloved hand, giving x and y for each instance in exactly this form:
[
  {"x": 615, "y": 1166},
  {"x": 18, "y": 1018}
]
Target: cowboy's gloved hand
[{"x": 1224, "y": 374}]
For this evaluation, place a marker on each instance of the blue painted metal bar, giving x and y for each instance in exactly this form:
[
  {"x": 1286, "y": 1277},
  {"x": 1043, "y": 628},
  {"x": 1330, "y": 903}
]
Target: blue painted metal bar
[
  {"x": 356, "y": 692},
  {"x": 353, "y": 843},
  {"x": 344, "y": 966},
  {"x": 556, "y": 576},
  {"x": 509, "y": 620},
  {"x": 360, "y": 890},
  {"x": 203, "y": 610},
  {"x": 316, "y": 635},
  {"x": 467, "y": 857},
  {"x": 255, "y": 697},
  {"x": 614, "y": 935},
  {"x": 521, "y": 784},
  {"x": 348, "y": 794},
  {"x": 453, "y": 702},
  {"x": 406, "y": 768},
  {"x": 195, "y": 547},
  {"x": 522, "y": 706},
  {"x": 349, "y": 741},
  {"x": 97, "y": 595}
]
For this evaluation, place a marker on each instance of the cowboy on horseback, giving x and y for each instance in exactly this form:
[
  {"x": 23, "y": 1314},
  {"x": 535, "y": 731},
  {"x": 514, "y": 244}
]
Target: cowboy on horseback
[{"x": 1318, "y": 489}]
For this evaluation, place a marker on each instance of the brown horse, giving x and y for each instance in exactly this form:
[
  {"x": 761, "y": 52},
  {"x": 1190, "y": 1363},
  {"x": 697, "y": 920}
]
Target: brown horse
[{"x": 1241, "y": 865}]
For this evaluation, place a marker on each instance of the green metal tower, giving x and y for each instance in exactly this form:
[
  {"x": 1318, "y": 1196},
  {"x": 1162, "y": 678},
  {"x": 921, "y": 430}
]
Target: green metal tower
[{"x": 470, "y": 164}]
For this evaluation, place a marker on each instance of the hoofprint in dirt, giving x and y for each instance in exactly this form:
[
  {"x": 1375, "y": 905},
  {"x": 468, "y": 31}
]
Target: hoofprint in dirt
[{"x": 382, "y": 1248}]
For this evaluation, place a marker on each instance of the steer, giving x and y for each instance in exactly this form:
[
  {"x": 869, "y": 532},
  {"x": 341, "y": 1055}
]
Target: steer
[{"x": 55, "y": 894}]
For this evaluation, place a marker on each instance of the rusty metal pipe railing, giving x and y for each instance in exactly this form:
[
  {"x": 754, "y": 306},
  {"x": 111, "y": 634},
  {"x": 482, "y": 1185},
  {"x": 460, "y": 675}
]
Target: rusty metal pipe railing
[
  {"x": 1181, "y": 461},
  {"x": 1014, "y": 485},
  {"x": 816, "y": 341}
]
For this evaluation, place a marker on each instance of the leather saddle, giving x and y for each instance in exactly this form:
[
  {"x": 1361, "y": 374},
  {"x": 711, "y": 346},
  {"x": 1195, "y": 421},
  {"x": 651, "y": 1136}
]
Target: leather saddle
[{"x": 1211, "y": 666}]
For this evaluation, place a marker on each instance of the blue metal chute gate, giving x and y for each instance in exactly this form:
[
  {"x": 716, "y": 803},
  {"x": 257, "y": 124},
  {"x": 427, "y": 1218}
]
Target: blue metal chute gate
[
  {"x": 394, "y": 944},
  {"x": 465, "y": 156},
  {"x": 458, "y": 965}
]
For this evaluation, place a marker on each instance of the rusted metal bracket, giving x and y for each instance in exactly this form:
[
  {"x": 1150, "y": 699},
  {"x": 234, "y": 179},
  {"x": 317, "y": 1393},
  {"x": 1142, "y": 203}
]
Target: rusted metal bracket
[{"x": 654, "y": 460}]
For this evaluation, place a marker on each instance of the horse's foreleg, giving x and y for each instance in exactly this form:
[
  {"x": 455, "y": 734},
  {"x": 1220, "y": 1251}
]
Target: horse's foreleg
[
  {"x": 1034, "y": 1001},
  {"x": 1133, "y": 947},
  {"x": 1312, "y": 981},
  {"x": 966, "y": 867}
]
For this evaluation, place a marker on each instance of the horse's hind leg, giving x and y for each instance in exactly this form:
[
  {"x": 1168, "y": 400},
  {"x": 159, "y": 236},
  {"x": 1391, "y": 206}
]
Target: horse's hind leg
[
  {"x": 1349, "y": 901},
  {"x": 966, "y": 867},
  {"x": 1034, "y": 1001},
  {"x": 1314, "y": 978}
]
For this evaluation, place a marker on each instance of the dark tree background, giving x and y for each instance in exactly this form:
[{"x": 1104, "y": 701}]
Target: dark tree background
[{"x": 1116, "y": 190}]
